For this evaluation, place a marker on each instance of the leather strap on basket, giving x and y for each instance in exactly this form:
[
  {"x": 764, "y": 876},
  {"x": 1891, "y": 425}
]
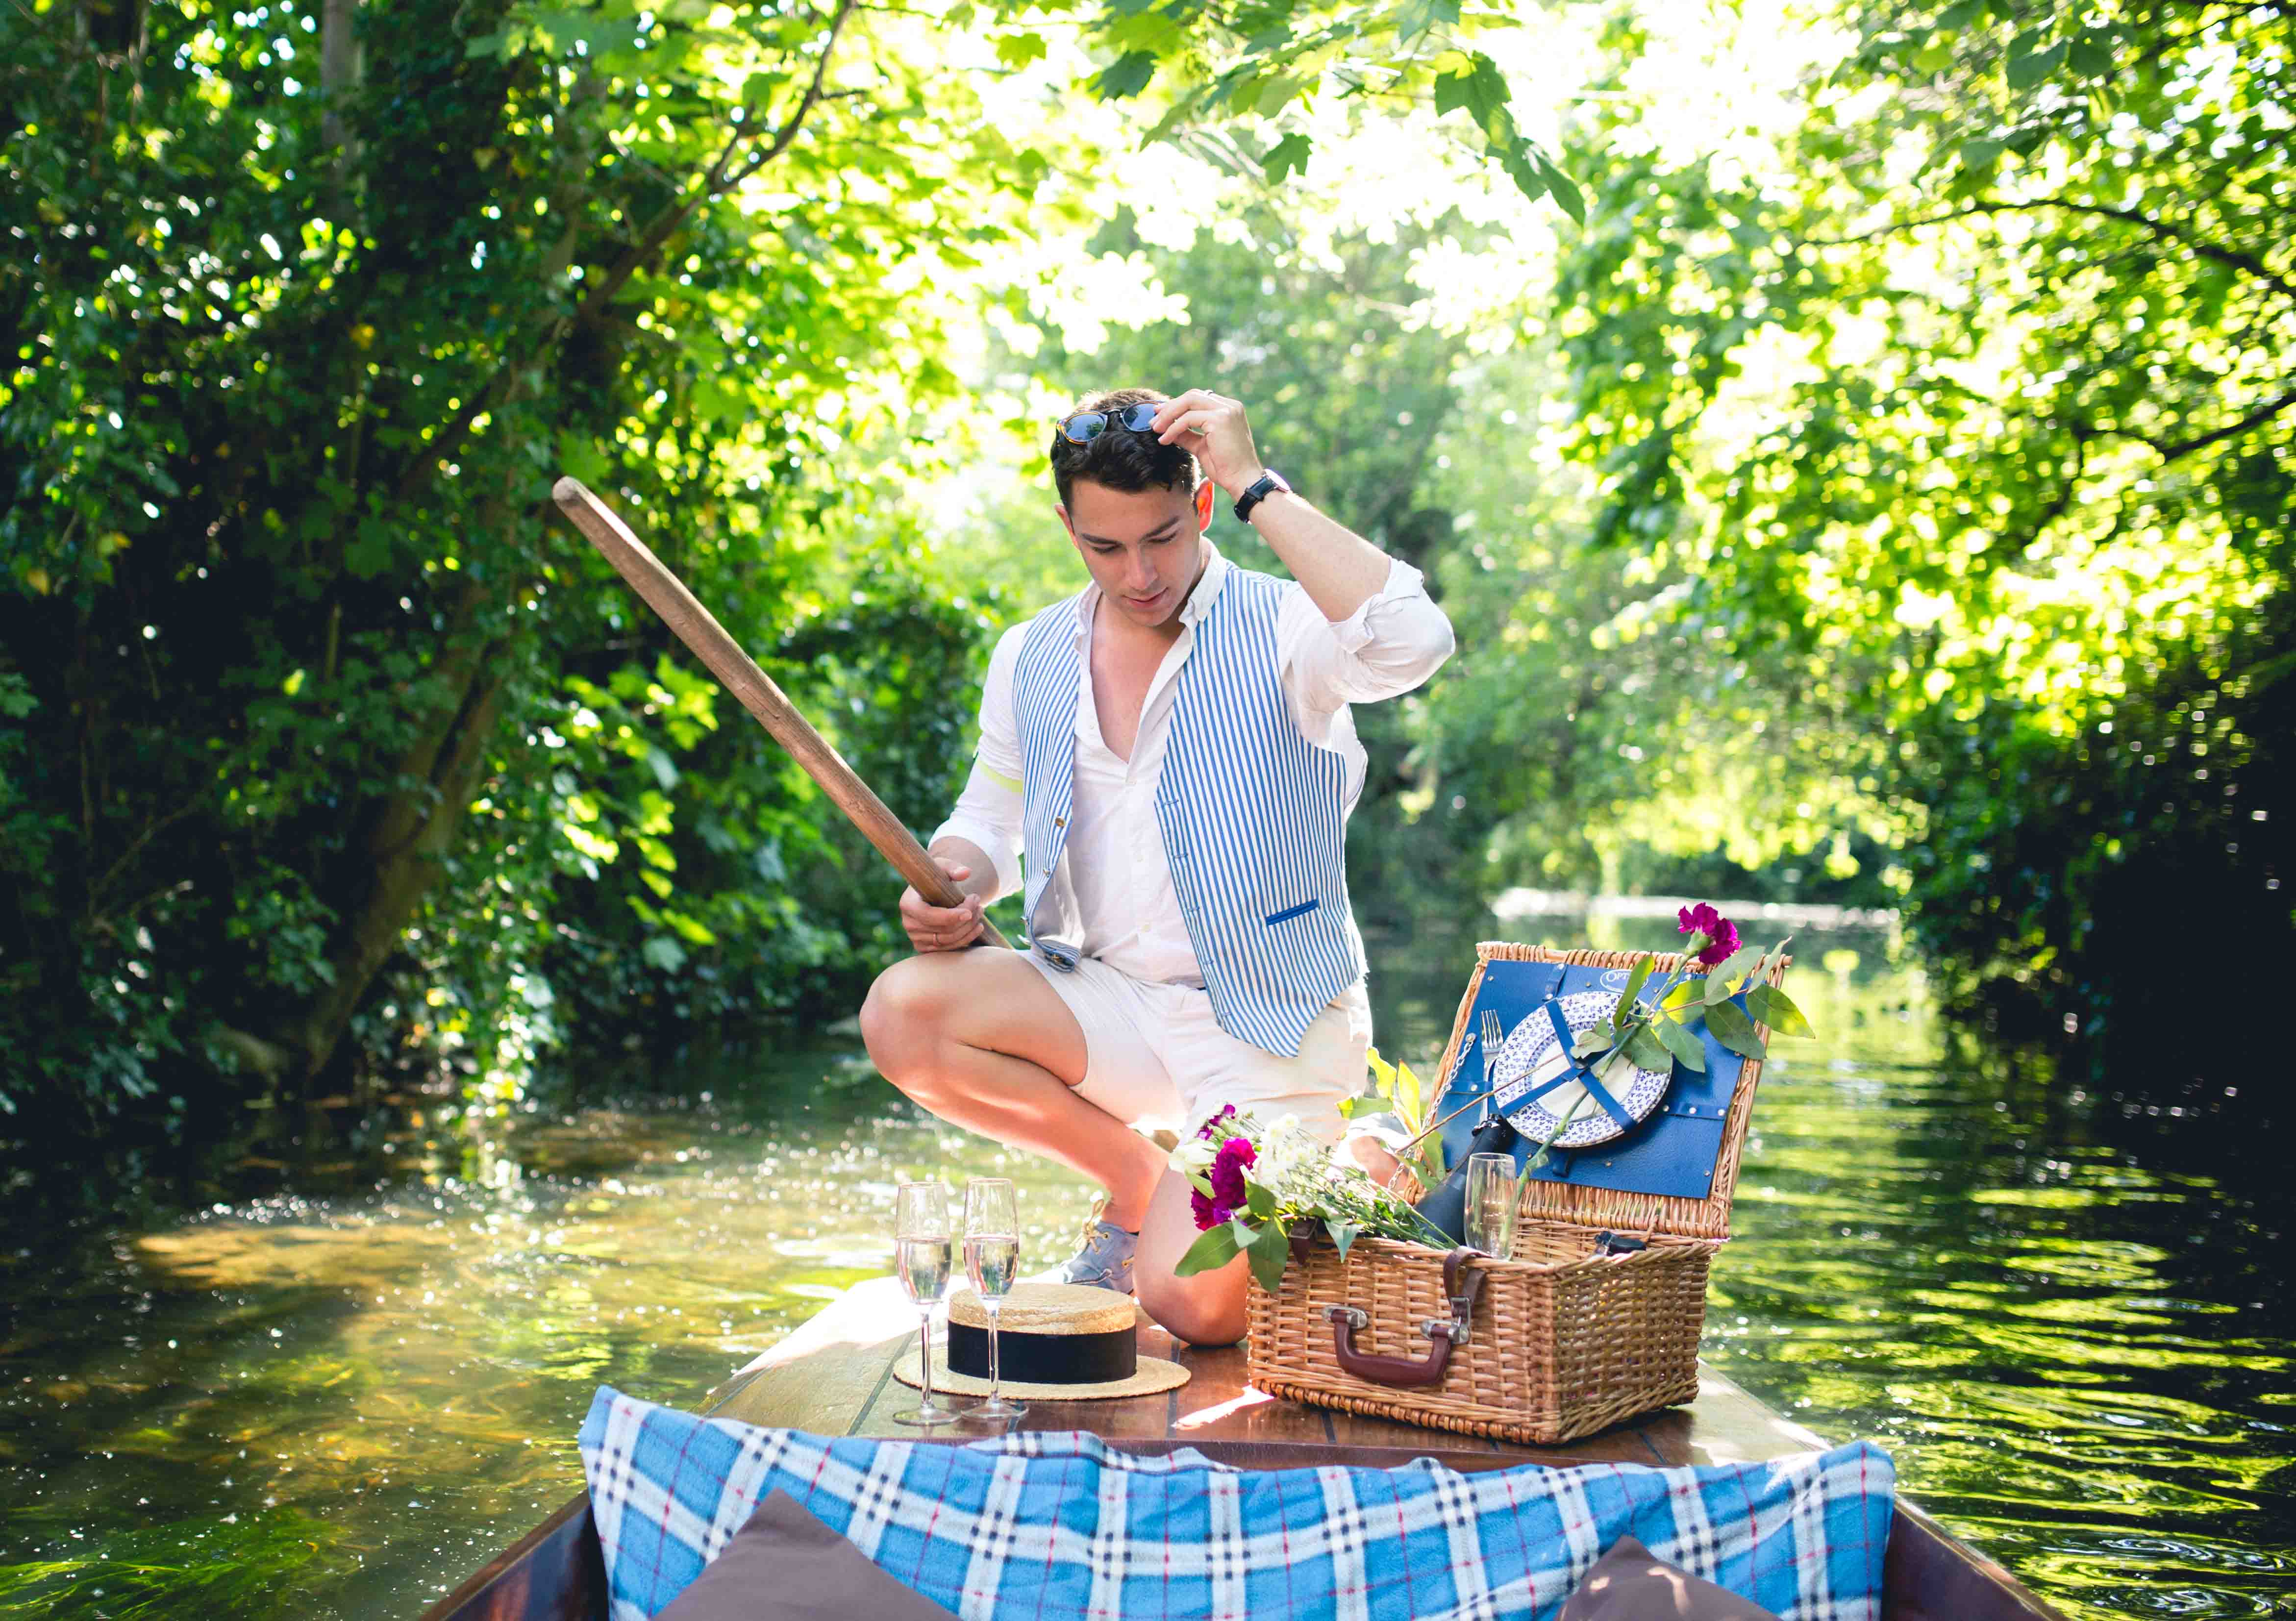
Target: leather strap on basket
[{"x": 1461, "y": 1287}]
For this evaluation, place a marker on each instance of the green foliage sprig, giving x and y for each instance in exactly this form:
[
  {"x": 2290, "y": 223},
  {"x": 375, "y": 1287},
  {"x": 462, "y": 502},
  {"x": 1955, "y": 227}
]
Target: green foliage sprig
[{"x": 1396, "y": 1088}]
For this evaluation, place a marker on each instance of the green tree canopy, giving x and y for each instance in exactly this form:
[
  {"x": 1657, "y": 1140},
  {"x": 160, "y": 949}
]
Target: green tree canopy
[
  {"x": 325, "y": 747},
  {"x": 1957, "y": 420}
]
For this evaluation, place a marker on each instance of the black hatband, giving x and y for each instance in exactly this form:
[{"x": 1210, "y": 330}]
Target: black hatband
[{"x": 1046, "y": 1359}]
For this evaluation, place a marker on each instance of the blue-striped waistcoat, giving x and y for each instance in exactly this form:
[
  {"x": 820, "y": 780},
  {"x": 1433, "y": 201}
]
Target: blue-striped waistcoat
[{"x": 1253, "y": 815}]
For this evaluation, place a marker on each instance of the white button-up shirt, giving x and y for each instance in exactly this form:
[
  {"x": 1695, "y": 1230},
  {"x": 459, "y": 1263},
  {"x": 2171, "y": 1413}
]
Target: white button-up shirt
[{"x": 1128, "y": 914}]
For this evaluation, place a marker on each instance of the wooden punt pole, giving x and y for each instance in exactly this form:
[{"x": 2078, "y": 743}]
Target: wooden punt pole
[{"x": 755, "y": 691}]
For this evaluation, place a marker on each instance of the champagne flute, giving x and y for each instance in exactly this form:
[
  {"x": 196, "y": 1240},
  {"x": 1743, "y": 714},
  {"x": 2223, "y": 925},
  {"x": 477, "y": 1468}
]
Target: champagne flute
[
  {"x": 992, "y": 1256},
  {"x": 1490, "y": 1205},
  {"x": 921, "y": 1260}
]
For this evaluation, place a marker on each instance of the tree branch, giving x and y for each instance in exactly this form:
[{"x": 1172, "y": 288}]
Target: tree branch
[
  {"x": 715, "y": 182},
  {"x": 500, "y": 387},
  {"x": 2173, "y": 449},
  {"x": 2161, "y": 229}
]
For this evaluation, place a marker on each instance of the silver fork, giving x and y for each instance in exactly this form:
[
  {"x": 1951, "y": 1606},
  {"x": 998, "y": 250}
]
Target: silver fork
[{"x": 1493, "y": 1039}]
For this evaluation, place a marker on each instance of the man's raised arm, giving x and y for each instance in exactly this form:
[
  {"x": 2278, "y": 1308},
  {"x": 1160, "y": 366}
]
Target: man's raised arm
[{"x": 1382, "y": 635}]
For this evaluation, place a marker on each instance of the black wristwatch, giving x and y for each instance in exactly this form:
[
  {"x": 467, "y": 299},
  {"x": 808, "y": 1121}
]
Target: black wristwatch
[{"x": 1260, "y": 489}]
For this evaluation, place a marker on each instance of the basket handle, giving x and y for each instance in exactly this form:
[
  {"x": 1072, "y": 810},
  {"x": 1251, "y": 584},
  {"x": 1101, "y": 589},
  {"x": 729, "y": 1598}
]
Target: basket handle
[{"x": 1460, "y": 1287}]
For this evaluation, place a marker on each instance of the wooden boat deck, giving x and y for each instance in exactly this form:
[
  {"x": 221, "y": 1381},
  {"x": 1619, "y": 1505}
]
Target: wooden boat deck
[{"x": 834, "y": 1376}]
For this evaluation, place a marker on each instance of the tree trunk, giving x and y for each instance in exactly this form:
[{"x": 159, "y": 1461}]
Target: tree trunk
[
  {"x": 339, "y": 76},
  {"x": 409, "y": 833}
]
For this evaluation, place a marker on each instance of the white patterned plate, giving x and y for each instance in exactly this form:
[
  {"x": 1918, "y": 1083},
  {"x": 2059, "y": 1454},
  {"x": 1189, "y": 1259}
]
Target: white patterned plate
[{"x": 1532, "y": 1056}]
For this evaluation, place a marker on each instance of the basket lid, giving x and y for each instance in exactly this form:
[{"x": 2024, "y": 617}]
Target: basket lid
[{"x": 1673, "y": 1172}]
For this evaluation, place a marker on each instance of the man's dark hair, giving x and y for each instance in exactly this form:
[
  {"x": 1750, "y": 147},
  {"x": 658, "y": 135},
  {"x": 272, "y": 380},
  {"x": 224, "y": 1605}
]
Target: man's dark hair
[{"x": 1120, "y": 458}]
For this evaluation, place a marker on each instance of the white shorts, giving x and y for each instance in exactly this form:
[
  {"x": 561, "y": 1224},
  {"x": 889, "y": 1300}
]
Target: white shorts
[{"x": 1155, "y": 1056}]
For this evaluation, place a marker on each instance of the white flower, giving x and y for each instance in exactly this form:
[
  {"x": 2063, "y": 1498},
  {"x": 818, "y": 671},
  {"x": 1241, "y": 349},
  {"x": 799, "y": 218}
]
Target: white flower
[
  {"x": 1293, "y": 1164},
  {"x": 1194, "y": 1155}
]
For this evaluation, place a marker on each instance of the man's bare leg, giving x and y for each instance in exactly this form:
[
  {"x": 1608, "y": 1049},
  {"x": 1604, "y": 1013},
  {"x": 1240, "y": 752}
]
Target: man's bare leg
[
  {"x": 981, "y": 1041},
  {"x": 1204, "y": 1310}
]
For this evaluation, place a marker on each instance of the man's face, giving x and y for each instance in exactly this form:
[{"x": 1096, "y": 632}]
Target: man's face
[{"x": 1144, "y": 547}]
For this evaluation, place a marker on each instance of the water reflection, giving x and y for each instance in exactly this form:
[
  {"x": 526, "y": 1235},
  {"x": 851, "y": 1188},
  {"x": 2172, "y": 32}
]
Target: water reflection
[{"x": 339, "y": 1406}]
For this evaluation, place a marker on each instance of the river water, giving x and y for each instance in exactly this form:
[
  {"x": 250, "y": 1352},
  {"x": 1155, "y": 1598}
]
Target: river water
[{"x": 337, "y": 1402}]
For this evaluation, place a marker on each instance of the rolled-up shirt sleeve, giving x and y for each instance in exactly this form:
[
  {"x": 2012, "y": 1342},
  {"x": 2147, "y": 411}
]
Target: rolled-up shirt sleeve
[
  {"x": 1394, "y": 640},
  {"x": 987, "y": 813}
]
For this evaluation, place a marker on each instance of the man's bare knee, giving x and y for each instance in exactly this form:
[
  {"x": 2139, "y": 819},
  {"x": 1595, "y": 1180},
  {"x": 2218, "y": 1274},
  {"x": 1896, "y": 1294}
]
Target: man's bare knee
[
  {"x": 899, "y": 1024},
  {"x": 1203, "y": 1311}
]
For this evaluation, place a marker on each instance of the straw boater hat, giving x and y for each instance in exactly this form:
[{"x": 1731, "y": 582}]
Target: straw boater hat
[{"x": 1056, "y": 1342}]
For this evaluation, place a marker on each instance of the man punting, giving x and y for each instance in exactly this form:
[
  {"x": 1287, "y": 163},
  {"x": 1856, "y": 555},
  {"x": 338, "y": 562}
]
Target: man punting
[{"x": 1172, "y": 749}]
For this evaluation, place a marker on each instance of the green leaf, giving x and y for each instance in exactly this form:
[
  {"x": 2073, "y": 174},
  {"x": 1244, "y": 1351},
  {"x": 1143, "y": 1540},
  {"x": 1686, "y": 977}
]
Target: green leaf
[
  {"x": 1382, "y": 1073},
  {"x": 1636, "y": 979},
  {"x": 1418, "y": 17},
  {"x": 1515, "y": 156},
  {"x": 1212, "y": 1250},
  {"x": 1648, "y": 1049},
  {"x": 664, "y": 953},
  {"x": 1594, "y": 1041},
  {"x": 1485, "y": 93},
  {"x": 1259, "y": 1200},
  {"x": 1019, "y": 50},
  {"x": 1451, "y": 90},
  {"x": 1733, "y": 1029},
  {"x": 369, "y": 554},
  {"x": 1343, "y": 1235},
  {"x": 1127, "y": 76},
  {"x": 1775, "y": 1009},
  {"x": 1269, "y": 1257},
  {"x": 1564, "y": 189},
  {"x": 1287, "y": 157},
  {"x": 1681, "y": 1043},
  {"x": 1721, "y": 981},
  {"x": 2091, "y": 54},
  {"x": 2024, "y": 72},
  {"x": 1410, "y": 1100}
]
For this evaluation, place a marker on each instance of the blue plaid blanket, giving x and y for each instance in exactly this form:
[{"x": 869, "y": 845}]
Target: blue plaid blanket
[{"x": 1058, "y": 1525}]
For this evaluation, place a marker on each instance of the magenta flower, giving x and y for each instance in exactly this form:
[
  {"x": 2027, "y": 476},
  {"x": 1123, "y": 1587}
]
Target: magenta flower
[
  {"x": 1226, "y": 1177},
  {"x": 1715, "y": 936}
]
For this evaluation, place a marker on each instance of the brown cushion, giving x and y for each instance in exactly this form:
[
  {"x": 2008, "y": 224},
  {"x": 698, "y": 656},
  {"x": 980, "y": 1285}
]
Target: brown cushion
[
  {"x": 785, "y": 1565},
  {"x": 1631, "y": 1583}
]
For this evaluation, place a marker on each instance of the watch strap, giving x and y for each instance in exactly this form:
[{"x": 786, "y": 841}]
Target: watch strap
[{"x": 1268, "y": 482}]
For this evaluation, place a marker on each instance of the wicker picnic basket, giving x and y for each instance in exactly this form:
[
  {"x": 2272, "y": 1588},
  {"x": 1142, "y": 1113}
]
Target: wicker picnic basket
[{"x": 1559, "y": 1342}]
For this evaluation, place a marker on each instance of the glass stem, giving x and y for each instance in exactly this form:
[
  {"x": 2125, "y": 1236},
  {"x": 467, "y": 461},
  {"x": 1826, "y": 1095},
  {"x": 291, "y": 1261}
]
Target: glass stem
[
  {"x": 993, "y": 1364},
  {"x": 924, "y": 1341}
]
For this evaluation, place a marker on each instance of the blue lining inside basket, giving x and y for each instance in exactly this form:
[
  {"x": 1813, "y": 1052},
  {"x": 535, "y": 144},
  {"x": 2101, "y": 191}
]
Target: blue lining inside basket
[{"x": 1673, "y": 1152}]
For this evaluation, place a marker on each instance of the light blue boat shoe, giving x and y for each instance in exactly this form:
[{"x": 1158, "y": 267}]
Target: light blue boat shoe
[{"x": 1105, "y": 1261}]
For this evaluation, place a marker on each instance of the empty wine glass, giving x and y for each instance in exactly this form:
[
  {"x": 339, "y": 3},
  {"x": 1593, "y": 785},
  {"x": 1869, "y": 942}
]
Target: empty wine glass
[
  {"x": 1490, "y": 1204},
  {"x": 921, "y": 1260},
  {"x": 992, "y": 1256}
]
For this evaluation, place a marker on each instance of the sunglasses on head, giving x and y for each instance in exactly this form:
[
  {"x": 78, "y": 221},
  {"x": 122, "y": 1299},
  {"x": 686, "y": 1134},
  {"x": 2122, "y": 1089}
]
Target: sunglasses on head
[{"x": 1086, "y": 426}]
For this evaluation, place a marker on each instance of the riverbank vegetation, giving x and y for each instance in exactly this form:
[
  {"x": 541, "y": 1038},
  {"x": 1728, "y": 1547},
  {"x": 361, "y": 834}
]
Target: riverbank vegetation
[{"x": 1859, "y": 471}]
